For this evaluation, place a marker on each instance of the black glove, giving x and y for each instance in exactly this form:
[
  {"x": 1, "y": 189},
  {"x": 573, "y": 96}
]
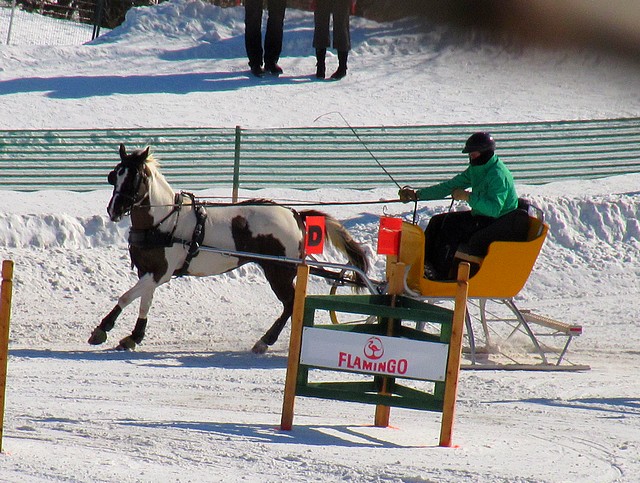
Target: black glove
[{"x": 407, "y": 194}]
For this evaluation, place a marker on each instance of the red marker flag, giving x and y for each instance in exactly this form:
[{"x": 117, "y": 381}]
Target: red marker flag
[
  {"x": 389, "y": 236},
  {"x": 314, "y": 236}
]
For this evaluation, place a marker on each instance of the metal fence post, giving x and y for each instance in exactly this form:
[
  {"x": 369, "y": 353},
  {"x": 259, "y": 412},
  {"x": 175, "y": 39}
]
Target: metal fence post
[
  {"x": 13, "y": 11},
  {"x": 236, "y": 167}
]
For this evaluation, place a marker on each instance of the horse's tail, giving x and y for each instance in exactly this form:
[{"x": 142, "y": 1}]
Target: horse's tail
[{"x": 340, "y": 238}]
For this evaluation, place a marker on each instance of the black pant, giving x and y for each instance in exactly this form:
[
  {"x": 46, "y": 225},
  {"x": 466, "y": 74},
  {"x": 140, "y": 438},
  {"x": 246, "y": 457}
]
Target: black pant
[
  {"x": 340, "y": 9},
  {"x": 253, "y": 31},
  {"x": 448, "y": 232}
]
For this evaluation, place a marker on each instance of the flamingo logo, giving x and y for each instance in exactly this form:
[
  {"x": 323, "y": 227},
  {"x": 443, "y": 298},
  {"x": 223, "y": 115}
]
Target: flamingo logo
[{"x": 373, "y": 348}]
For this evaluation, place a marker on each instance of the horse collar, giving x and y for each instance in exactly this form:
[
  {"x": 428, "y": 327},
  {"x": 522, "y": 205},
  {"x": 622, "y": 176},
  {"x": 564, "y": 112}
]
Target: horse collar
[{"x": 155, "y": 238}]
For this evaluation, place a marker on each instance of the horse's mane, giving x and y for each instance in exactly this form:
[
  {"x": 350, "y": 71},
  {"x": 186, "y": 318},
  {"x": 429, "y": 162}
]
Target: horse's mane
[
  {"x": 153, "y": 165},
  {"x": 152, "y": 162}
]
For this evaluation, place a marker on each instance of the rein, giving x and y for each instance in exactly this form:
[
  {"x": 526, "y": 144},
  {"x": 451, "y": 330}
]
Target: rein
[
  {"x": 177, "y": 206},
  {"x": 291, "y": 203}
]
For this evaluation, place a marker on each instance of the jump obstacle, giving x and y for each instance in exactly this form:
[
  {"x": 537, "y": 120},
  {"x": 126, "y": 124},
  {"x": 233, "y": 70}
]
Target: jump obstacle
[
  {"x": 5, "y": 314},
  {"x": 386, "y": 350}
]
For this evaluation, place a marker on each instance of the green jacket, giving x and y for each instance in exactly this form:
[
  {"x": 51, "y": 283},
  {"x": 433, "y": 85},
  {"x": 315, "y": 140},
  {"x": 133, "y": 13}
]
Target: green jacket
[{"x": 493, "y": 191}]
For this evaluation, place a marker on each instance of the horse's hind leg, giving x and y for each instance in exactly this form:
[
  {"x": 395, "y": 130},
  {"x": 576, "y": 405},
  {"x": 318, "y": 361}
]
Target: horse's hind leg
[
  {"x": 145, "y": 284},
  {"x": 281, "y": 280}
]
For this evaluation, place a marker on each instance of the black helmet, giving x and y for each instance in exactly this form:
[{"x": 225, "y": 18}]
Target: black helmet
[{"x": 479, "y": 141}]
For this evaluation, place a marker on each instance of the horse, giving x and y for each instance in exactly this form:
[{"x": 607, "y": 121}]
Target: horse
[{"x": 170, "y": 232}]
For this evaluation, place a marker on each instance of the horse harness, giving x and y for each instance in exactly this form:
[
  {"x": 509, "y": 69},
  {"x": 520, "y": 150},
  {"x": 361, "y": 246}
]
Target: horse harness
[{"x": 155, "y": 238}]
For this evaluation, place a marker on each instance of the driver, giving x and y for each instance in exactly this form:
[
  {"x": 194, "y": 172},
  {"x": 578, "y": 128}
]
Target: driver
[{"x": 494, "y": 213}]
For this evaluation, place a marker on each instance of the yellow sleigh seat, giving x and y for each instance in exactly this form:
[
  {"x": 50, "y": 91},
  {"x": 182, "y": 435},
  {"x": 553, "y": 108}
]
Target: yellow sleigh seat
[{"x": 502, "y": 274}]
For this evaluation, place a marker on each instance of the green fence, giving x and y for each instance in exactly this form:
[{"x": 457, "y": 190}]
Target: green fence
[{"x": 304, "y": 158}]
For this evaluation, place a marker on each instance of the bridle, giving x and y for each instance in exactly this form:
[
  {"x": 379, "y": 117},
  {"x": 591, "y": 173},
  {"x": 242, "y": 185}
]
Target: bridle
[
  {"x": 136, "y": 197},
  {"x": 134, "y": 200}
]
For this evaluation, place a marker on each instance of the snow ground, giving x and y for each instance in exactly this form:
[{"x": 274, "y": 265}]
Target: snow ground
[{"x": 192, "y": 403}]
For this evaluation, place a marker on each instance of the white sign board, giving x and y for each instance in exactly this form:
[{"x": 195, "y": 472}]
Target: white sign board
[{"x": 374, "y": 354}]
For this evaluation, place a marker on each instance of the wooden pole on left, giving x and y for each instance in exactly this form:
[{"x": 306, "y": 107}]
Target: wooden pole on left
[{"x": 6, "y": 292}]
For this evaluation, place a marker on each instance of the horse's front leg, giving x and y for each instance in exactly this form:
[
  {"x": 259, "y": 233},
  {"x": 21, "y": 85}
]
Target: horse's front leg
[
  {"x": 146, "y": 284},
  {"x": 129, "y": 342}
]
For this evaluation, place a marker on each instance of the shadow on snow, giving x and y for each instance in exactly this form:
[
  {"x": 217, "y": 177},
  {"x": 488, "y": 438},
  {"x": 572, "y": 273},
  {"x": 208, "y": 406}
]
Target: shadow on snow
[
  {"x": 223, "y": 360},
  {"x": 338, "y": 435}
]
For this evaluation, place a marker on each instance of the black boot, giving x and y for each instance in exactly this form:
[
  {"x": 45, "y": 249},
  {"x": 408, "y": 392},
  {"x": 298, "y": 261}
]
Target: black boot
[
  {"x": 256, "y": 69},
  {"x": 342, "y": 66},
  {"x": 321, "y": 69},
  {"x": 272, "y": 68}
]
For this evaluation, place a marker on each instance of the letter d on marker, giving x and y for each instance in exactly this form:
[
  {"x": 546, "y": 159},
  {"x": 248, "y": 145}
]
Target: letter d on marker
[{"x": 314, "y": 239}]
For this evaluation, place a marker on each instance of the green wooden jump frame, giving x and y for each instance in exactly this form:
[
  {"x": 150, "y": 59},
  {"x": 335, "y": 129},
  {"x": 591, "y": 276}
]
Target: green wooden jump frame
[{"x": 384, "y": 390}]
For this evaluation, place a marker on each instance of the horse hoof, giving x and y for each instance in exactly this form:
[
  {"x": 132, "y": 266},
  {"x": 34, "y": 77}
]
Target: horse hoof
[
  {"x": 259, "y": 347},
  {"x": 98, "y": 336},
  {"x": 126, "y": 344}
]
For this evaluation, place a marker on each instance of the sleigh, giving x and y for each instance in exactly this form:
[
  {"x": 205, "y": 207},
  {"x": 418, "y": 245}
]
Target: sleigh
[{"x": 497, "y": 330}]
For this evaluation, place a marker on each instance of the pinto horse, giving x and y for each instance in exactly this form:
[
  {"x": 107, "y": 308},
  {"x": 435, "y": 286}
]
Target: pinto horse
[{"x": 170, "y": 233}]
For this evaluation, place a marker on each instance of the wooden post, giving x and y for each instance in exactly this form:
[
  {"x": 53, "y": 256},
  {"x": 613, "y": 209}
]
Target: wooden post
[
  {"x": 455, "y": 354},
  {"x": 396, "y": 287},
  {"x": 295, "y": 345},
  {"x": 6, "y": 292}
]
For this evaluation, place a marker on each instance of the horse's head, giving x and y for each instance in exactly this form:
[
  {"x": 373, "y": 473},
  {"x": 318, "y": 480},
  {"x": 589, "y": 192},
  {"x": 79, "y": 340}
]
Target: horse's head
[{"x": 129, "y": 183}]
